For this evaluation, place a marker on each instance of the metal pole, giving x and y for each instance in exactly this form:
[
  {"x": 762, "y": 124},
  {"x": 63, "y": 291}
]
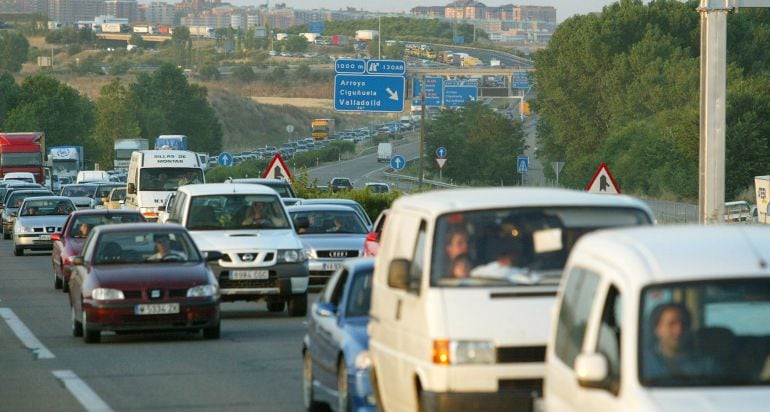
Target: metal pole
[
  {"x": 711, "y": 176},
  {"x": 422, "y": 130},
  {"x": 379, "y": 37}
]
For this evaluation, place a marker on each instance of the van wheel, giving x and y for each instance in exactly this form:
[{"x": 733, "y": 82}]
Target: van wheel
[{"x": 298, "y": 305}]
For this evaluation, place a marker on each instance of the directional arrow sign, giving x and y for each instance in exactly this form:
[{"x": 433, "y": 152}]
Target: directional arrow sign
[
  {"x": 392, "y": 67},
  {"x": 225, "y": 159},
  {"x": 441, "y": 152},
  {"x": 369, "y": 93},
  {"x": 434, "y": 91},
  {"x": 456, "y": 93},
  {"x": 397, "y": 162},
  {"x": 441, "y": 161}
]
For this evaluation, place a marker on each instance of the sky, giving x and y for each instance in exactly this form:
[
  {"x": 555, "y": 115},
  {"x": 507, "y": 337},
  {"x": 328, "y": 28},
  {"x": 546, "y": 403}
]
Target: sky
[{"x": 564, "y": 8}]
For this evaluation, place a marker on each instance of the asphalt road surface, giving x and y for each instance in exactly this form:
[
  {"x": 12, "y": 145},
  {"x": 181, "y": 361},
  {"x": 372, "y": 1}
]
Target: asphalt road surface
[{"x": 255, "y": 366}]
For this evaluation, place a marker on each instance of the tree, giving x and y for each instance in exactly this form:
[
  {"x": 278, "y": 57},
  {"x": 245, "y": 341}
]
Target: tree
[
  {"x": 10, "y": 93},
  {"x": 209, "y": 71},
  {"x": 13, "y": 49},
  {"x": 295, "y": 44},
  {"x": 48, "y": 105},
  {"x": 182, "y": 45},
  {"x": 244, "y": 73},
  {"x": 136, "y": 40},
  {"x": 115, "y": 119}
]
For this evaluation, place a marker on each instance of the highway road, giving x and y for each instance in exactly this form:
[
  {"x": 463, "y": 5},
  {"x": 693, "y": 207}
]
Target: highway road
[{"x": 255, "y": 366}]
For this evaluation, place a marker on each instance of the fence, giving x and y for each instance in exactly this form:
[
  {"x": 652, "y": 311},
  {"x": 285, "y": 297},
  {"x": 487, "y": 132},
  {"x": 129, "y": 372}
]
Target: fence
[{"x": 673, "y": 212}]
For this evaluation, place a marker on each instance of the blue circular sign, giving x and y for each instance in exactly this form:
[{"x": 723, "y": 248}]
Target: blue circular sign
[
  {"x": 225, "y": 159},
  {"x": 441, "y": 152},
  {"x": 397, "y": 162}
]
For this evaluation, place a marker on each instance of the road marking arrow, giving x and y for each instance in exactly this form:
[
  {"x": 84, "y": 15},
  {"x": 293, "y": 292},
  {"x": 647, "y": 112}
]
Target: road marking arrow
[{"x": 393, "y": 95}]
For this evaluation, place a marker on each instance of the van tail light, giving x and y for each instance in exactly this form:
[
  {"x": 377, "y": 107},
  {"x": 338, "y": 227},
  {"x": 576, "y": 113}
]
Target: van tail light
[{"x": 441, "y": 352}]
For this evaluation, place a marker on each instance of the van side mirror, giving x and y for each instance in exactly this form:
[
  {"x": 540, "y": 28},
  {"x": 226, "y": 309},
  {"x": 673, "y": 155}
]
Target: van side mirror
[
  {"x": 398, "y": 274},
  {"x": 592, "y": 370},
  {"x": 131, "y": 189}
]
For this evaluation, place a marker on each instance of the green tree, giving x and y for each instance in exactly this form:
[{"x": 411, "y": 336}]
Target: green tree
[
  {"x": 295, "y": 44},
  {"x": 210, "y": 71},
  {"x": 136, "y": 40},
  {"x": 10, "y": 94},
  {"x": 243, "y": 73},
  {"x": 55, "y": 108},
  {"x": 488, "y": 142},
  {"x": 13, "y": 49},
  {"x": 115, "y": 119},
  {"x": 182, "y": 45}
]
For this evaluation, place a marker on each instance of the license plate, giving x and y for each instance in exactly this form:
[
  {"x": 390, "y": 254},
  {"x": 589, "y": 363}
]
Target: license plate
[
  {"x": 157, "y": 309},
  {"x": 45, "y": 237},
  {"x": 249, "y": 274},
  {"x": 332, "y": 266}
]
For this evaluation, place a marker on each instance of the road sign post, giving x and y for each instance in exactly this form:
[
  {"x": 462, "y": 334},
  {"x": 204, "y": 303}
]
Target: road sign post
[
  {"x": 441, "y": 161},
  {"x": 557, "y": 167},
  {"x": 522, "y": 166},
  {"x": 397, "y": 162}
]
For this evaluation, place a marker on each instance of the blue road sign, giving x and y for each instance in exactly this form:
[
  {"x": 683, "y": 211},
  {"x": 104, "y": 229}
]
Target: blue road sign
[
  {"x": 434, "y": 91},
  {"x": 456, "y": 93},
  {"x": 397, "y": 162},
  {"x": 349, "y": 66},
  {"x": 369, "y": 93},
  {"x": 520, "y": 80},
  {"x": 522, "y": 164},
  {"x": 390, "y": 67},
  {"x": 225, "y": 159},
  {"x": 316, "y": 27},
  {"x": 458, "y": 39},
  {"x": 441, "y": 152}
]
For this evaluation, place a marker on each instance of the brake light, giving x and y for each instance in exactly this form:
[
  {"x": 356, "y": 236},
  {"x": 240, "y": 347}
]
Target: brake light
[
  {"x": 441, "y": 352},
  {"x": 150, "y": 214}
]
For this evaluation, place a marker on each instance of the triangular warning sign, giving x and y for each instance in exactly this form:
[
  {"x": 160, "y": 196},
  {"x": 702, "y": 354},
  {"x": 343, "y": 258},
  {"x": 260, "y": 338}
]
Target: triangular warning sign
[
  {"x": 441, "y": 161},
  {"x": 277, "y": 169},
  {"x": 603, "y": 182}
]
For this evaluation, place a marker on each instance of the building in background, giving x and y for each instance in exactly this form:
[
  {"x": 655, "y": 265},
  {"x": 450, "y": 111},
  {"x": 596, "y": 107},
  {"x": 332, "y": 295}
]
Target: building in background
[
  {"x": 126, "y": 9},
  {"x": 159, "y": 13}
]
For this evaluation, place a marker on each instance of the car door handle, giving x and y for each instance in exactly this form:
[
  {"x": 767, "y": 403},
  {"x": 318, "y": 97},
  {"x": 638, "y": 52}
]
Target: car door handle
[{"x": 398, "y": 310}]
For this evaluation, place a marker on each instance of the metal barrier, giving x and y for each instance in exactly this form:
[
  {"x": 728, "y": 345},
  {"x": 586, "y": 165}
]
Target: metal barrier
[{"x": 673, "y": 212}]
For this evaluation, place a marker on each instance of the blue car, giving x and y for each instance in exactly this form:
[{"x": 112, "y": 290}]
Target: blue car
[{"x": 335, "y": 347}]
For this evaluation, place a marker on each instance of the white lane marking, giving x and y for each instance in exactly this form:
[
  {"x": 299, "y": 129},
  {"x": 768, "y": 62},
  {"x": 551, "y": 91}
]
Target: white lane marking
[
  {"x": 25, "y": 335},
  {"x": 81, "y": 391}
]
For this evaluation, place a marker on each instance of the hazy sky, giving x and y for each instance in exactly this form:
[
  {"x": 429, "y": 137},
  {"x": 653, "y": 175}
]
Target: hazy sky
[{"x": 564, "y": 8}]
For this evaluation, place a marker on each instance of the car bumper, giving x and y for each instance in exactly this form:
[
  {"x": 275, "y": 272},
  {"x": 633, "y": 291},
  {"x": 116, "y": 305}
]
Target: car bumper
[
  {"x": 361, "y": 394},
  {"x": 320, "y": 272},
  {"x": 33, "y": 241},
  {"x": 122, "y": 317},
  {"x": 284, "y": 279},
  {"x": 502, "y": 400}
]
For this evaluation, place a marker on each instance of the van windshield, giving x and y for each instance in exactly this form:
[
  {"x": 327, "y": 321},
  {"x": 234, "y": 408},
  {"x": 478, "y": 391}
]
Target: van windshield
[
  {"x": 160, "y": 179},
  {"x": 521, "y": 246}
]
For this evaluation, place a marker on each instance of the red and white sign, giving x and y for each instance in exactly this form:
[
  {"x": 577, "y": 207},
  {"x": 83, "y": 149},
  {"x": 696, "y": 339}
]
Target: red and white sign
[
  {"x": 441, "y": 161},
  {"x": 603, "y": 182},
  {"x": 277, "y": 169}
]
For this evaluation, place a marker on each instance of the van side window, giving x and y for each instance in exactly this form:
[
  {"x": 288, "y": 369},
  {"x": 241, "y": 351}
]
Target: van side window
[
  {"x": 576, "y": 305},
  {"x": 418, "y": 260},
  {"x": 177, "y": 208},
  {"x": 608, "y": 342}
]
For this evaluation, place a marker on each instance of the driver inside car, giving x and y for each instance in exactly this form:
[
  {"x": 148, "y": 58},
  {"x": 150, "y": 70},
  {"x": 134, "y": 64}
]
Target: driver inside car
[{"x": 163, "y": 251}]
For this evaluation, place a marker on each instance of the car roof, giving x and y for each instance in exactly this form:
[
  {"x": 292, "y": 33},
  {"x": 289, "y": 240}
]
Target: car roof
[
  {"x": 330, "y": 201},
  {"x": 226, "y": 188},
  {"x": 320, "y": 207},
  {"x": 680, "y": 253},
  {"x": 102, "y": 212},
  {"x": 140, "y": 227},
  {"x": 439, "y": 202}
]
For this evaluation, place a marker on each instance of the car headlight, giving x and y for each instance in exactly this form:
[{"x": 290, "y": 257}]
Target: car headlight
[
  {"x": 447, "y": 352},
  {"x": 24, "y": 229},
  {"x": 202, "y": 291},
  {"x": 107, "y": 294},
  {"x": 291, "y": 256},
  {"x": 363, "y": 360},
  {"x": 310, "y": 254}
]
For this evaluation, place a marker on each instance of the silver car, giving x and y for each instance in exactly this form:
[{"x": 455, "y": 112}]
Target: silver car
[
  {"x": 14, "y": 199},
  {"x": 330, "y": 234},
  {"x": 342, "y": 202},
  {"x": 37, "y": 219}
]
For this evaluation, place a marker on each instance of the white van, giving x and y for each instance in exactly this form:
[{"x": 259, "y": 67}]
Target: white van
[
  {"x": 20, "y": 176},
  {"x": 153, "y": 174},
  {"x": 464, "y": 283},
  {"x": 86, "y": 176},
  {"x": 384, "y": 152},
  {"x": 263, "y": 259},
  {"x": 672, "y": 318}
]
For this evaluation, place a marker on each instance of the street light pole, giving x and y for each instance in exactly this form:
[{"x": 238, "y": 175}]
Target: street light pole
[
  {"x": 379, "y": 37},
  {"x": 422, "y": 131}
]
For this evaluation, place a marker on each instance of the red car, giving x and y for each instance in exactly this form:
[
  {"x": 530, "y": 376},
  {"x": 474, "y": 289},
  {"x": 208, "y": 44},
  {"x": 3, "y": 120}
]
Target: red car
[
  {"x": 68, "y": 243},
  {"x": 143, "y": 277},
  {"x": 372, "y": 242}
]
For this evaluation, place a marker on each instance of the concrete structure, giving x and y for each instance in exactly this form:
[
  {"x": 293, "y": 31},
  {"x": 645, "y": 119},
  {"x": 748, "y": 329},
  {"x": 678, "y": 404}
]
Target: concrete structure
[
  {"x": 160, "y": 13},
  {"x": 122, "y": 9}
]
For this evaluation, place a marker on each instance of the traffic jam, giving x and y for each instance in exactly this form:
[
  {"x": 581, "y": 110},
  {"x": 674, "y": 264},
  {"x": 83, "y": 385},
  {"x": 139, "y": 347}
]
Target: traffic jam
[{"x": 504, "y": 298}]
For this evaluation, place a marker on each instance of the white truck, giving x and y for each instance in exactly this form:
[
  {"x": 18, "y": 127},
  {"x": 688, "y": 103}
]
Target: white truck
[
  {"x": 123, "y": 150},
  {"x": 152, "y": 174},
  {"x": 762, "y": 189},
  {"x": 384, "y": 152},
  {"x": 66, "y": 161}
]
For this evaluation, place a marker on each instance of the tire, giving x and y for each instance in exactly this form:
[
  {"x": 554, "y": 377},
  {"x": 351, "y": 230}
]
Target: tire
[
  {"x": 298, "y": 305},
  {"x": 343, "y": 395},
  {"x": 77, "y": 327},
  {"x": 65, "y": 286},
  {"x": 276, "y": 305},
  {"x": 90, "y": 336},
  {"x": 57, "y": 281},
  {"x": 212, "y": 332},
  {"x": 308, "y": 394},
  {"x": 18, "y": 251},
  {"x": 6, "y": 235},
  {"x": 376, "y": 390}
]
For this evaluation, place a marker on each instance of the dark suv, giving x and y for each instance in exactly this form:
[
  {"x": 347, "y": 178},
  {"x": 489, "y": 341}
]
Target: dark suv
[{"x": 340, "y": 183}]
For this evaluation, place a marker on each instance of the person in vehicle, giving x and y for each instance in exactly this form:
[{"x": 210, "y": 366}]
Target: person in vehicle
[
  {"x": 506, "y": 264},
  {"x": 62, "y": 209},
  {"x": 82, "y": 231},
  {"x": 456, "y": 244},
  {"x": 163, "y": 250},
  {"x": 461, "y": 267},
  {"x": 672, "y": 354},
  {"x": 31, "y": 211},
  {"x": 337, "y": 225},
  {"x": 256, "y": 215}
]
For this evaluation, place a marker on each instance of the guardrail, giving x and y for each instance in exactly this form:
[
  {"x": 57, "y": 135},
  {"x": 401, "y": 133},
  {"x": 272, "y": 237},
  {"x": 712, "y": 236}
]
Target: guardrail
[{"x": 415, "y": 179}]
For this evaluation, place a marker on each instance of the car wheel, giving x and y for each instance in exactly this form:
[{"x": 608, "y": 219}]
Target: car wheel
[
  {"x": 298, "y": 305},
  {"x": 18, "y": 251},
  {"x": 276, "y": 305},
  {"x": 6, "y": 235},
  {"x": 77, "y": 327},
  {"x": 57, "y": 282},
  {"x": 308, "y": 394},
  {"x": 90, "y": 336},
  {"x": 212, "y": 332},
  {"x": 343, "y": 401},
  {"x": 65, "y": 286}
]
